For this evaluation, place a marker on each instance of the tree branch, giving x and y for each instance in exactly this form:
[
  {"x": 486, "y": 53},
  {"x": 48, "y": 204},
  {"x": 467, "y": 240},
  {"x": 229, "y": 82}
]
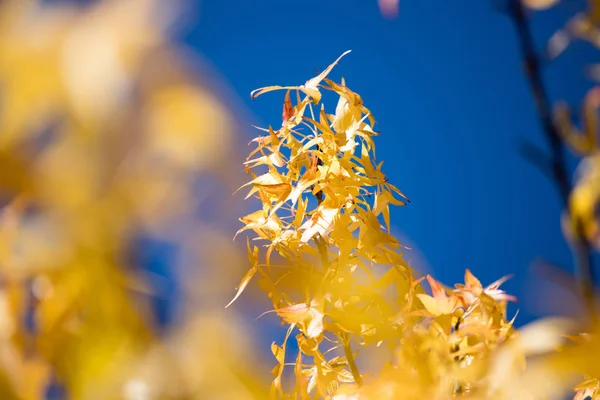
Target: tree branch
[{"x": 531, "y": 64}]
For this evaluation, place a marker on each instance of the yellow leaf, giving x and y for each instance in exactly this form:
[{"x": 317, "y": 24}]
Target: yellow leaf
[
  {"x": 440, "y": 303},
  {"x": 539, "y": 4},
  {"x": 307, "y": 314},
  {"x": 321, "y": 223},
  {"x": 278, "y": 352},
  {"x": 300, "y": 211},
  {"x": 258, "y": 92},
  {"x": 253, "y": 256},
  {"x": 311, "y": 86}
]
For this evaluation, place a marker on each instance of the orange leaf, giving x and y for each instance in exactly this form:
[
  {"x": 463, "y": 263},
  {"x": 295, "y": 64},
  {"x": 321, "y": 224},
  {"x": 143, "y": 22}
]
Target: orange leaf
[{"x": 288, "y": 109}]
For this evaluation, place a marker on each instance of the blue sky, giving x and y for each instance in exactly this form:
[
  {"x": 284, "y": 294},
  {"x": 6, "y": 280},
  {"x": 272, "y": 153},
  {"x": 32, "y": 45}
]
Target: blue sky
[{"x": 445, "y": 85}]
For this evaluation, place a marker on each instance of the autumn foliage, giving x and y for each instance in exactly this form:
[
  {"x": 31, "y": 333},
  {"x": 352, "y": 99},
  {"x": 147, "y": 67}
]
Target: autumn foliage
[
  {"x": 108, "y": 127},
  {"x": 341, "y": 286}
]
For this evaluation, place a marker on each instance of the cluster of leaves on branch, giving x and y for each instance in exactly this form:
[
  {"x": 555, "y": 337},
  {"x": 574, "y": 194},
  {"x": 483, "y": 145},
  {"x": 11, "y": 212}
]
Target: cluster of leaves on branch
[{"x": 337, "y": 279}]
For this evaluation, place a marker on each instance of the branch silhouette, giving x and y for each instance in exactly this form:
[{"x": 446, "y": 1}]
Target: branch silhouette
[{"x": 581, "y": 249}]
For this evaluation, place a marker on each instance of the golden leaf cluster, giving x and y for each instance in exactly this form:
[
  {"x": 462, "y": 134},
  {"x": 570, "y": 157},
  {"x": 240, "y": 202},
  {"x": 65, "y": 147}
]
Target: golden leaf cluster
[{"x": 337, "y": 278}]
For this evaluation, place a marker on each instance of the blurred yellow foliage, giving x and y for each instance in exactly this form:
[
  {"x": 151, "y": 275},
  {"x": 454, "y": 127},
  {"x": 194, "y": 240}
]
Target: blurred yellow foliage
[{"x": 104, "y": 128}]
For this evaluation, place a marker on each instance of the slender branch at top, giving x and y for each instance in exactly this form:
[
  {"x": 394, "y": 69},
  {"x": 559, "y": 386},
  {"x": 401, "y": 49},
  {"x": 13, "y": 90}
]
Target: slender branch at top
[{"x": 531, "y": 64}]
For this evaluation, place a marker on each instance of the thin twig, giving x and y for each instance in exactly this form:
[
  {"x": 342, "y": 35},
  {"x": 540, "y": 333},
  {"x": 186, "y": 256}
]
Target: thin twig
[
  {"x": 351, "y": 363},
  {"x": 321, "y": 244},
  {"x": 531, "y": 64}
]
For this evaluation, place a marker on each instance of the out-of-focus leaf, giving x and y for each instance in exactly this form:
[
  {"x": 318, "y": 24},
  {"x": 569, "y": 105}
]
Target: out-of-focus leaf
[{"x": 539, "y": 4}]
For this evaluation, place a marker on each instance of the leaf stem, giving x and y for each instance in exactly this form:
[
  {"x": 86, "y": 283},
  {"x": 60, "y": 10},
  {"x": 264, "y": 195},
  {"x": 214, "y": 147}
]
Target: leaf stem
[{"x": 351, "y": 363}]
